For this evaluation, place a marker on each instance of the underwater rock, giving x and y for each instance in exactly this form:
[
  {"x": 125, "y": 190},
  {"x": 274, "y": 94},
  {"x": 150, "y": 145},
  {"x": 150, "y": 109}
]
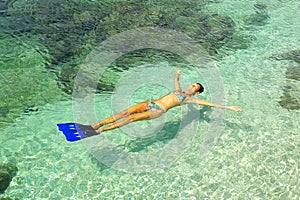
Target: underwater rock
[
  {"x": 291, "y": 55},
  {"x": 30, "y": 109},
  {"x": 23, "y": 78},
  {"x": 4, "y": 110},
  {"x": 5, "y": 198},
  {"x": 5, "y": 5},
  {"x": 291, "y": 91},
  {"x": 293, "y": 73},
  {"x": 219, "y": 31},
  {"x": 290, "y": 98},
  {"x": 260, "y": 18},
  {"x": 238, "y": 41},
  {"x": 70, "y": 30},
  {"x": 7, "y": 172}
]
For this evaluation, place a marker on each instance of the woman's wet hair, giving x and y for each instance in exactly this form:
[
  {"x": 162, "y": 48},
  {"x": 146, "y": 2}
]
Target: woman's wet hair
[{"x": 201, "y": 89}]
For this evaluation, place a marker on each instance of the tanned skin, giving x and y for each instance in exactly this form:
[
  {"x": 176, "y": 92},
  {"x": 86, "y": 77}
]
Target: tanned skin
[{"x": 140, "y": 111}]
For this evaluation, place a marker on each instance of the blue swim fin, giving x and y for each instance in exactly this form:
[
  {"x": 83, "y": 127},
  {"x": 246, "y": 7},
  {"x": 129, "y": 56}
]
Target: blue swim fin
[{"x": 74, "y": 131}]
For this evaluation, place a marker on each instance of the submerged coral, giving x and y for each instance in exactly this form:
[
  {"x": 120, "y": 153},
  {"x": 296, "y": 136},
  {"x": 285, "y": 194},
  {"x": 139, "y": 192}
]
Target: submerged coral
[
  {"x": 261, "y": 16},
  {"x": 291, "y": 91},
  {"x": 70, "y": 30},
  {"x": 24, "y": 80},
  {"x": 7, "y": 172}
]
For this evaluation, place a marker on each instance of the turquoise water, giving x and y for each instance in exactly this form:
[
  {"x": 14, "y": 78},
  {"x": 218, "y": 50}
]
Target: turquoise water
[{"x": 256, "y": 155}]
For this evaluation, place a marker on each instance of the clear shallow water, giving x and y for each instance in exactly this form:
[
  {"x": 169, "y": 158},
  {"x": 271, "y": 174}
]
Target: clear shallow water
[{"x": 257, "y": 155}]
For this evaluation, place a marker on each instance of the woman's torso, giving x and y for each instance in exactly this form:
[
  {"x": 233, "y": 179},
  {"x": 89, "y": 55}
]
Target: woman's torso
[{"x": 171, "y": 100}]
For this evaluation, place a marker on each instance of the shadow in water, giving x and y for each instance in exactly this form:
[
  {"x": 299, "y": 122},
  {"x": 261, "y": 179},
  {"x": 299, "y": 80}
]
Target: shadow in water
[{"x": 166, "y": 134}]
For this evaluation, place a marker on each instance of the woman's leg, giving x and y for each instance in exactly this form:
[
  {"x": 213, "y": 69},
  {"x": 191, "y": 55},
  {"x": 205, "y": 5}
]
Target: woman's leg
[
  {"x": 150, "y": 114},
  {"x": 138, "y": 108}
]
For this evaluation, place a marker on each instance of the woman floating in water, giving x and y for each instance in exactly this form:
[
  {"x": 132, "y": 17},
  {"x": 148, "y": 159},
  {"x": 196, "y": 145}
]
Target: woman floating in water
[{"x": 143, "y": 111}]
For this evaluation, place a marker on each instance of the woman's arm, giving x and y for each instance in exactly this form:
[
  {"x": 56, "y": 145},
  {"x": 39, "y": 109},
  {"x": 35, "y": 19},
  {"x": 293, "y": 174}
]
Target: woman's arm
[
  {"x": 176, "y": 80},
  {"x": 205, "y": 103}
]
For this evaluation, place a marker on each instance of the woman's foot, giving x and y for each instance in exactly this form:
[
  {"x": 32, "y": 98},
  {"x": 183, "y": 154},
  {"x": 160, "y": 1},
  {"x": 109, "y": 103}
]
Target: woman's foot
[
  {"x": 100, "y": 130},
  {"x": 88, "y": 130},
  {"x": 95, "y": 126}
]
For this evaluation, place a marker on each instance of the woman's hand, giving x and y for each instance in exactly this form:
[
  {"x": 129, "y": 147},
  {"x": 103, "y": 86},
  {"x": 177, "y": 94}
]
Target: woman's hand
[
  {"x": 176, "y": 80},
  {"x": 235, "y": 108}
]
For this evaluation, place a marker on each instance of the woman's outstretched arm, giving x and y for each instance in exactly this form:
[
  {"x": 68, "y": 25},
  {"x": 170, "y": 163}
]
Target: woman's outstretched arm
[
  {"x": 176, "y": 80},
  {"x": 205, "y": 103}
]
